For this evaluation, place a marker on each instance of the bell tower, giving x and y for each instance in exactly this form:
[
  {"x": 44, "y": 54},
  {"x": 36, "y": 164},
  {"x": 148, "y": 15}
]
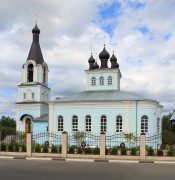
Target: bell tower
[{"x": 33, "y": 92}]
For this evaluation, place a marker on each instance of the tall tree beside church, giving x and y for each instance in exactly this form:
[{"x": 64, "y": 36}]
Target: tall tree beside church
[
  {"x": 168, "y": 132},
  {"x": 7, "y": 124}
]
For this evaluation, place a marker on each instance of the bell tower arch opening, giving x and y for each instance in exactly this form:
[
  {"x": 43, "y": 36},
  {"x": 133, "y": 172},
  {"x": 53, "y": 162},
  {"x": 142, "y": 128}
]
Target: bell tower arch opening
[{"x": 30, "y": 73}]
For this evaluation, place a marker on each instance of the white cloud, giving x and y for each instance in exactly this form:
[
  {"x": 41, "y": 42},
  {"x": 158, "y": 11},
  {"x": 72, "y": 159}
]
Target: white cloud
[{"x": 147, "y": 60}]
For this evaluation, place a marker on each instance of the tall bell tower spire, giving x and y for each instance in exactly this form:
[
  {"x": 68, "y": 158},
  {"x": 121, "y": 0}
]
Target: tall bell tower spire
[{"x": 33, "y": 92}]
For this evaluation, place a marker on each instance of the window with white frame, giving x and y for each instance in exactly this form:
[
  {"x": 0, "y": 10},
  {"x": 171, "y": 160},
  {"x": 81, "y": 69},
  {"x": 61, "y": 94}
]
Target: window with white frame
[
  {"x": 88, "y": 123},
  {"x": 74, "y": 123},
  {"x": 119, "y": 124},
  {"x": 109, "y": 80},
  {"x": 93, "y": 81},
  {"x": 103, "y": 123},
  {"x": 158, "y": 125},
  {"x": 144, "y": 124},
  {"x": 101, "y": 80},
  {"x": 60, "y": 123}
]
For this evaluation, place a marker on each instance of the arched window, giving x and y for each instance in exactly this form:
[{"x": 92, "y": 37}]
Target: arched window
[
  {"x": 144, "y": 124},
  {"x": 101, "y": 80},
  {"x": 74, "y": 123},
  {"x": 60, "y": 123},
  {"x": 158, "y": 125},
  {"x": 93, "y": 81},
  {"x": 119, "y": 124},
  {"x": 103, "y": 123},
  {"x": 44, "y": 75},
  {"x": 109, "y": 80},
  {"x": 88, "y": 124},
  {"x": 30, "y": 73}
]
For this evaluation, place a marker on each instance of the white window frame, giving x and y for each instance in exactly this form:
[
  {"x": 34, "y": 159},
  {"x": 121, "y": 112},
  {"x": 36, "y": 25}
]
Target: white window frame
[
  {"x": 102, "y": 80},
  {"x": 93, "y": 81},
  {"x": 103, "y": 123},
  {"x": 119, "y": 123},
  {"x": 158, "y": 125},
  {"x": 88, "y": 123},
  {"x": 75, "y": 123},
  {"x": 144, "y": 124},
  {"x": 109, "y": 80},
  {"x": 60, "y": 124}
]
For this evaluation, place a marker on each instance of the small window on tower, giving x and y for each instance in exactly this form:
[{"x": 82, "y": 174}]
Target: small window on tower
[
  {"x": 24, "y": 95},
  {"x": 109, "y": 80},
  {"x": 44, "y": 75},
  {"x": 101, "y": 80},
  {"x": 30, "y": 73},
  {"x": 33, "y": 95},
  {"x": 93, "y": 81}
]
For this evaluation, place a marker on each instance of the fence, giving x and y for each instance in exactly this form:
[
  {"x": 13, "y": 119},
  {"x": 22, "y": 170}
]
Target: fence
[
  {"x": 14, "y": 141},
  {"x": 46, "y": 141},
  {"x": 116, "y": 139},
  {"x": 154, "y": 140},
  {"x": 106, "y": 145}
]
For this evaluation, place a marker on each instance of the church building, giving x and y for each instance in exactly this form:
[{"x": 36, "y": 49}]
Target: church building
[{"x": 102, "y": 107}]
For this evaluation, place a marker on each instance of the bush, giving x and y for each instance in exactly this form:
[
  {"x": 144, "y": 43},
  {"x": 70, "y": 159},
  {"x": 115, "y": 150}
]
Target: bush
[
  {"x": 123, "y": 151},
  {"x": 159, "y": 152},
  {"x": 54, "y": 149},
  {"x": 79, "y": 151},
  {"x": 133, "y": 151},
  {"x": 3, "y": 147},
  {"x": 88, "y": 150},
  {"x": 170, "y": 152},
  {"x": 106, "y": 151},
  {"x": 10, "y": 147},
  {"x": 96, "y": 150},
  {"x": 23, "y": 149},
  {"x": 150, "y": 151},
  {"x": 71, "y": 149},
  {"x": 114, "y": 150},
  {"x": 45, "y": 149},
  {"x": 37, "y": 148},
  {"x": 16, "y": 147},
  {"x": 60, "y": 148}
]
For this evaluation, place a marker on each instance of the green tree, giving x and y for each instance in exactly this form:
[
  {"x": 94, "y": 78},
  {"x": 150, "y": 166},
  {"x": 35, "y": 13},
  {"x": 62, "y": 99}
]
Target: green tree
[
  {"x": 168, "y": 132},
  {"x": 7, "y": 124}
]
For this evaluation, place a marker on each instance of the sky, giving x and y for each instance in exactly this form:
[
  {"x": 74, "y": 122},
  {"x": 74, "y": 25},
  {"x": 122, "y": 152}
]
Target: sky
[{"x": 141, "y": 33}]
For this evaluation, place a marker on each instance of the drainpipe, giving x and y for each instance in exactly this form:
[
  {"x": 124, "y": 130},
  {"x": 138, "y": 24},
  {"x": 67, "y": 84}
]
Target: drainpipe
[{"x": 136, "y": 121}]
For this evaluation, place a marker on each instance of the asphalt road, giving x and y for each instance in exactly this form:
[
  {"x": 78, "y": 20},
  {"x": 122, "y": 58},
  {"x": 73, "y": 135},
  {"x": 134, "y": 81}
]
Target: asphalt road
[{"x": 58, "y": 170}]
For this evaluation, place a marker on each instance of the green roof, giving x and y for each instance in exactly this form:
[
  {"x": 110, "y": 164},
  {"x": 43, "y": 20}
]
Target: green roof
[
  {"x": 43, "y": 118},
  {"x": 100, "y": 96}
]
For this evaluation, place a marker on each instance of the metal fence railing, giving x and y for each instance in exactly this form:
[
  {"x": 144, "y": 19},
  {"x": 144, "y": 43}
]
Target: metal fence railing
[
  {"x": 53, "y": 138},
  {"x": 154, "y": 140},
  {"x": 115, "y": 139},
  {"x": 76, "y": 138}
]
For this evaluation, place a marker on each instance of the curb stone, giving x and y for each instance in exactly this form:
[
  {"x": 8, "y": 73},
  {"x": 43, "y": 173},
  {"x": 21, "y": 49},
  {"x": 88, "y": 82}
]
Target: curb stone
[{"x": 86, "y": 160}]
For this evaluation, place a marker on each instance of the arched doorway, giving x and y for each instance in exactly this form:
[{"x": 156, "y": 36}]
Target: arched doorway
[{"x": 28, "y": 125}]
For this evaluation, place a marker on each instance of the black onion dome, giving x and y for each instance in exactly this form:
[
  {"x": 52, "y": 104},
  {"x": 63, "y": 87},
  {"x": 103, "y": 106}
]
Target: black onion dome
[
  {"x": 113, "y": 58},
  {"x": 95, "y": 66},
  {"x": 36, "y": 29},
  {"x": 91, "y": 59},
  {"x": 117, "y": 65},
  {"x": 104, "y": 54}
]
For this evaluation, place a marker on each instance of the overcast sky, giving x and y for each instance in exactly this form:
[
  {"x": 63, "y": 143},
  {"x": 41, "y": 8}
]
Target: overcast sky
[{"x": 142, "y": 31}]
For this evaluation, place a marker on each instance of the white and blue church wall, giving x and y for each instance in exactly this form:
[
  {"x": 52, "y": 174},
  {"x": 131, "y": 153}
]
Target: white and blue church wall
[{"x": 130, "y": 114}]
